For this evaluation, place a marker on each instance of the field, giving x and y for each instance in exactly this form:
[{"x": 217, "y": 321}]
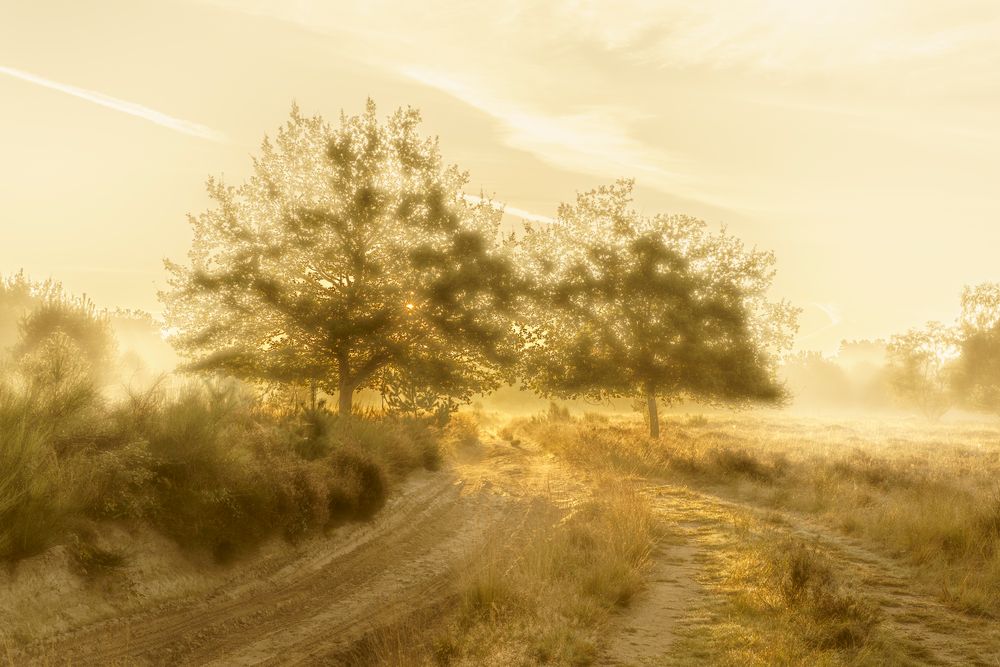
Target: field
[{"x": 734, "y": 539}]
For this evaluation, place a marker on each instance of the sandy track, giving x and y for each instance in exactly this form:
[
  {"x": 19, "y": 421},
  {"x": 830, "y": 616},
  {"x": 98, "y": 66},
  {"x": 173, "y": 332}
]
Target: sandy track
[
  {"x": 936, "y": 634},
  {"x": 313, "y": 606}
]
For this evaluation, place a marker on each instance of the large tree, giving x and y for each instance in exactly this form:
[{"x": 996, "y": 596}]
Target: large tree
[
  {"x": 649, "y": 307},
  {"x": 348, "y": 253},
  {"x": 977, "y": 371}
]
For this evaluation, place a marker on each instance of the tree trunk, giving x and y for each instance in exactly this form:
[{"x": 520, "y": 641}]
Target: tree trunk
[
  {"x": 346, "y": 394},
  {"x": 345, "y": 388},
  {"x": 654, "y": 417}
]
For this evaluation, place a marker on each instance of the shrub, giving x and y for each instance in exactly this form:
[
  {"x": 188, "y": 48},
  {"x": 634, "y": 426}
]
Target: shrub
[
  {"x": 121, "y": 483},
  {"x": 32, "y": 509},
  {"x": 359, "y": 489}
]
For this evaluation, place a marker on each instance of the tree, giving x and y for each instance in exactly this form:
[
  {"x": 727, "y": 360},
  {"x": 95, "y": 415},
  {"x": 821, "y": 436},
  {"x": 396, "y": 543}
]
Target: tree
[
  {"x": 649, "y": 307},
  {"x": 349, "y": 252},
  {"x": 920, "y": 364},
  {"x": 977, "y": 373}
]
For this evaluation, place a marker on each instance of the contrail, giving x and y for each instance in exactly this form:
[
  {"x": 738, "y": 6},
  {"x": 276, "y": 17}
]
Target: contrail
[
  {"x": 131, "y": 108},
  {"x": 513, "y": 210},
  {"x": 832, "y": 313}
]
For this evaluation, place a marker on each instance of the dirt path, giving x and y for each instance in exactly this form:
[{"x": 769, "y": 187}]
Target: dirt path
[
  {"x": 933, "y": 633},
  {"x": 650, "y": 627},
  {"x": 312, "y": 607}
]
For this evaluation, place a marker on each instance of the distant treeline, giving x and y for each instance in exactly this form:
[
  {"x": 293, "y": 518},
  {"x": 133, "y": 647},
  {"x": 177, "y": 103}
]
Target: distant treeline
[{"x": 929, "y": 370}]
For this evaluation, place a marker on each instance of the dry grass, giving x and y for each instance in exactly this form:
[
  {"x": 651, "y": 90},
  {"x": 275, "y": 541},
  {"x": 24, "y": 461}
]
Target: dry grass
[
  {"x": 925, "y": 493},
  {"x": 540, "y": 596}
]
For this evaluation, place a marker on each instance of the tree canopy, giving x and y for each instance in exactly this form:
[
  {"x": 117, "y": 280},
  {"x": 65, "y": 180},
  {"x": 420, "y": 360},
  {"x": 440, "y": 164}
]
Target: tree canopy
[
  {"x": 977, "y": 372},
  {"x": 651, "y": 307},
  {"x": 350, "y": 257}
]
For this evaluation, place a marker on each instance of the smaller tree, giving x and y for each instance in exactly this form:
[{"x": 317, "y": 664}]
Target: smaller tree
[
  {"x": 977, "y": 373},
  {"x": 650, "y": 308},
  {"x": 920, "y": 366}
]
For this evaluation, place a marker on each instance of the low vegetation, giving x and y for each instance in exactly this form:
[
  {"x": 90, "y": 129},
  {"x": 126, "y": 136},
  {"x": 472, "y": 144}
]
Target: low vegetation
[
  {"x": 542, "y": 596},
  {"x": 207, "y": 464},
  {"x": 924, "y": 493}
]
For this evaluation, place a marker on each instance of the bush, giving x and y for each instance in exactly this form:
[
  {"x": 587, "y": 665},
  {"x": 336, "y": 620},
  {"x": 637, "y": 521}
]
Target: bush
[
  {"x": 359, "y": 486},
  {"x": 32, "y": 512},
  {"x": 205, "y": 466}
]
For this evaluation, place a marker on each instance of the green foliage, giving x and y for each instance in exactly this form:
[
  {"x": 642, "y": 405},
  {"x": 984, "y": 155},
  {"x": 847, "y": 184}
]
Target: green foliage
[
  {"x": 649, "y": 307},
  {"x": 348, "y": 255},
  {"x": 408, "y": 394}
]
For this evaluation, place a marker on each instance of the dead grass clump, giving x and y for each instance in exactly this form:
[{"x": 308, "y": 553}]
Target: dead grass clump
[
  {"x": 462, "y": 431},
  {"x": 696, "y": 421},
  {"x": 988, "y": 521},
  {"x": 738, "y": 462},
  {"x": 558, "y": 413},
  {"x": 806, "y": 580},
  {"x": 91, "y": 559}
]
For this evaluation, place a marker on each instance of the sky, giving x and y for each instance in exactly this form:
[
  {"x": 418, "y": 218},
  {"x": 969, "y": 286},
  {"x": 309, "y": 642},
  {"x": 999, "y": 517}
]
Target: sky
[{"x": 859, "y": 140}]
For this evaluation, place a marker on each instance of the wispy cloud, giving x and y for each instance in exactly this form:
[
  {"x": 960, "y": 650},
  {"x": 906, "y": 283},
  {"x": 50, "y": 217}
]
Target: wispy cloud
[
  {"x": 511, "y": 210},
  {"x": 788, "y": 36},
  {"x": 594, "y": 140},
  {"x": 124, "y": 106}
]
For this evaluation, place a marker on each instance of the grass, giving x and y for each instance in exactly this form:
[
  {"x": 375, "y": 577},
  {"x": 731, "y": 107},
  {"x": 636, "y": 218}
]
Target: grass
[
  {"x": 541, "y": 595},
  {"x": 782, "y": 601},
  {"x": 923, "y": 493}
]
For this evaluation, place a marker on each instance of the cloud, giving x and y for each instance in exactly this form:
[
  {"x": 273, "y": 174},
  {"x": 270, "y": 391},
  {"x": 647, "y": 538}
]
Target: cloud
[
  {"x": 592, "y": 140},
  {"x": 787, "y": 36},
  {"x": 124, "y": 106}
]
